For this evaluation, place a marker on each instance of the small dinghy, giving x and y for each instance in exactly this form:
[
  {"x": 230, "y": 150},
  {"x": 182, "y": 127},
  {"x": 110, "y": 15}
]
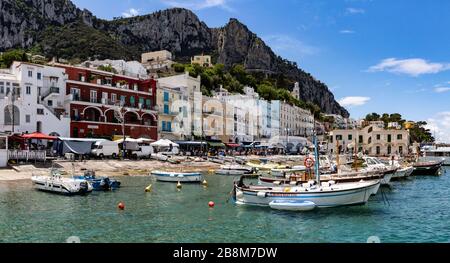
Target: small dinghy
[
  {"x": 292, "y": 205},
  {"x": 177, "y": 177}
]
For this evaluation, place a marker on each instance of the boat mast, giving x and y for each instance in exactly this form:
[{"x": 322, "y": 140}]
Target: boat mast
[{"x": 316, "y": 155}]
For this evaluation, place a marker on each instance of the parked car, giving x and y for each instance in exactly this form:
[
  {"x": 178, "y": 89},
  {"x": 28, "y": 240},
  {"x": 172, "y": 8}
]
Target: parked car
[{"x": 105, "y": 149}]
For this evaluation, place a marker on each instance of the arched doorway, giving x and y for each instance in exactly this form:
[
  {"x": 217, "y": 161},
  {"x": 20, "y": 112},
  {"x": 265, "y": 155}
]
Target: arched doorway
[{"x": 92, "y": 114}]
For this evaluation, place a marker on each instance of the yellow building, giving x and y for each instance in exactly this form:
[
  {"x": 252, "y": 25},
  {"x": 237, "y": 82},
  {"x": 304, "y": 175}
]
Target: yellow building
[
  {"x": 203, "y": 60},
  {"x": 170, "y": 115}
]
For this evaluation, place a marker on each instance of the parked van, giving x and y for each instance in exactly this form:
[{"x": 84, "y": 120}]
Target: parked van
[
  {"x": 105, "y": 149},
  {"x": 144, "y": 151}
]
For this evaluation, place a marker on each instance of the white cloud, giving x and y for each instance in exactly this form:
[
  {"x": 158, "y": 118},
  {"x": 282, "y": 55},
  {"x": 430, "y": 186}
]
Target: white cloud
[
  {"x": 130, "y": 12},
  {"x": 413, "y": 67},
  {"x": 198, "y": 4},
  {"x": 442, "y": 89},
  {"x": 439, "y": 126},
  {"x": 353, "y": 101},
  {"x": 354, "y": 11},
  {"x": 347, "y": 31},
  {"x": 289, "y": 46}
]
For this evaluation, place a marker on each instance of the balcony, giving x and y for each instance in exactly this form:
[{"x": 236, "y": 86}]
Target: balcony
[
  {"x": 212, "y": 112},
  {"x": 108, "y": 102}
]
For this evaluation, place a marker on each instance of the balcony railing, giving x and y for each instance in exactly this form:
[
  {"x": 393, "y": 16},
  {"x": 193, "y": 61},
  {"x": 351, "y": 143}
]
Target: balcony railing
[{"x": 103, "y": 101}]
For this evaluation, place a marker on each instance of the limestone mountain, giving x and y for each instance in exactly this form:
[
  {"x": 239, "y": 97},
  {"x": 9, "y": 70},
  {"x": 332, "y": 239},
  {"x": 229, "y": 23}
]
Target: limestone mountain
[{"x": 59, "y": 28}]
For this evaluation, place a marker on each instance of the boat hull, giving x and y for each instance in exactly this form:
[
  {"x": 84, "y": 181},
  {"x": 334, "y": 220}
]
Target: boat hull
[
  {"x": 178, "y": 177},
  {"x": 430, "y": 169},
  {"x": 345, "y": 197},
  {"x": 402, "y": 173},
  {"x": 62, "y": 187}
]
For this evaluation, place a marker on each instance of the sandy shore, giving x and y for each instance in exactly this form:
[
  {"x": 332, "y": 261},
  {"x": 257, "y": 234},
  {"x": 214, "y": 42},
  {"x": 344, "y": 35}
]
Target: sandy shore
[{"x": 114, "y": 168}]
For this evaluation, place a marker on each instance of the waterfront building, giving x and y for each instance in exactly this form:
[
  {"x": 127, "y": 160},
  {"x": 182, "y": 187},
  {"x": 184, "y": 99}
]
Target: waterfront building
[
  {"x": 190, "y": 100},
  {"x": 169, "y": 124},
  {"x": 32, "y": 99},
  {"x": 98, "y": 101},
  {"x": 157, "y": 61},
  {"x": 202, "y": 60},
  {"x": 214, "y": 112},
  {"x": 372, "y": 139},
  {"x": 295, "y": 121}
]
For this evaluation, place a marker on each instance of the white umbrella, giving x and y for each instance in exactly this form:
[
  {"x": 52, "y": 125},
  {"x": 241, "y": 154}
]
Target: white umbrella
[{"x": 164, "y": 143}]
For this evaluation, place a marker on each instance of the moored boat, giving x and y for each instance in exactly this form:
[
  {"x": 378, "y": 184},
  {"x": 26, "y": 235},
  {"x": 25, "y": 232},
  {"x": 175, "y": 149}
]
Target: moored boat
[
  {"x": 99, "y": 183},
  {"x": 325, "y": 195},
  {"x": 177, "y": 177},
  {"x": 235, "y": 170},
  {"x": 284, "y": 171},
  {"x": 322, "y": 194},
  {"x": 427, "y": 168},
  {"x": 55, "y": 183}
]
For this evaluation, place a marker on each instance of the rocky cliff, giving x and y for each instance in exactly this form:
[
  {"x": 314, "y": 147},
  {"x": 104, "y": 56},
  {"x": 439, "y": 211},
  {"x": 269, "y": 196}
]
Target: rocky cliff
[{"x": 59, "y": 28}]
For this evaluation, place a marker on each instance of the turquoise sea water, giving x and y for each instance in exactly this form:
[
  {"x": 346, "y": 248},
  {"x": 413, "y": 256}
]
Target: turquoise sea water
[{"x": 418, "y": 211}]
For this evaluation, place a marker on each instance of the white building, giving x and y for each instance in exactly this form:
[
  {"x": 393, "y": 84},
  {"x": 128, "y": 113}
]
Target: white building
[
  {"x": 157, "y": 60},
  {"x": 190, "y": 99},
  {"x": 372, "y": 139},
  {"x": 295, "y": 121},
  {"x": 32, "y": 99},
  {"x": 127, "y": 68}
]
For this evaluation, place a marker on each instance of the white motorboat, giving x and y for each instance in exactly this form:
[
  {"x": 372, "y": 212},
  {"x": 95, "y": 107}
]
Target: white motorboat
[
  {"x": 373, "y": 164},
  {"x": 55, "y": 183},
  {"x": 177, "y": 177},
  {"x": 235, "y": 170},
  {"x": 292, "y": 205}
]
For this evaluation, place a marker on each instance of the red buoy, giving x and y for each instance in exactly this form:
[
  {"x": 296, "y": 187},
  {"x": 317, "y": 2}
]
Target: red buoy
[
  {"x": 121, "y": 206},
  {"x": 211, "y": 204}
]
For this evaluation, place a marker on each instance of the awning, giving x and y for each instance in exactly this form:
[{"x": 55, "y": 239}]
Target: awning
[
  {"x": 233, "y": 145},
  {"x": 38, "y": 136},
  {"x": 216, "y": 144}
]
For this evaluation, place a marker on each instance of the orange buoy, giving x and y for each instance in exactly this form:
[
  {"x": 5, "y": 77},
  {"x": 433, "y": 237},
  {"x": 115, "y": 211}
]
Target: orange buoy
[
  {"x": 121, "y": 206},
  {"x": 211, "y": 204}
]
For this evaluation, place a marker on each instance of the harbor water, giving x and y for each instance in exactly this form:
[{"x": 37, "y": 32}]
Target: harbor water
[{"x": 413, "y": 210}]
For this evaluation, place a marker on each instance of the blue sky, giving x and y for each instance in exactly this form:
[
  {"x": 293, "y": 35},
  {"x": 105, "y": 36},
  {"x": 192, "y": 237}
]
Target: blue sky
[{"x": 375, "y": 55}]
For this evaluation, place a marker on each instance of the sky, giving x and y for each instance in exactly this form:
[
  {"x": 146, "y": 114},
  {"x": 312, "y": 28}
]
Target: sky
[{"x": 374, "y": 55}]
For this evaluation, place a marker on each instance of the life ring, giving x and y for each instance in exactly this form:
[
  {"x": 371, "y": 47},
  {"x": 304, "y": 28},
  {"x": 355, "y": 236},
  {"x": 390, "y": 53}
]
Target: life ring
[{"x": 309, "y": 162}]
